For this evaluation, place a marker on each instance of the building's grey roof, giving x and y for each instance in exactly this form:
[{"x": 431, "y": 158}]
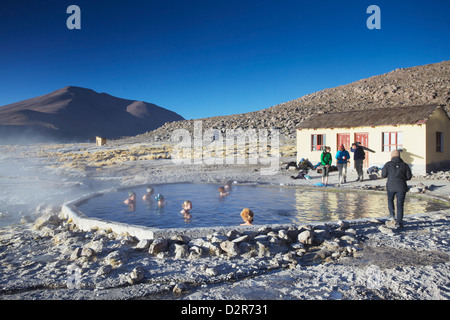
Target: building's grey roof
[{"x": 374, "y": 117}]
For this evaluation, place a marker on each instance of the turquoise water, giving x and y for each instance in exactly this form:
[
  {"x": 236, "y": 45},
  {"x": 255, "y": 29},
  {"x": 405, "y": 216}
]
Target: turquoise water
[{"x": 271, "y": 205}]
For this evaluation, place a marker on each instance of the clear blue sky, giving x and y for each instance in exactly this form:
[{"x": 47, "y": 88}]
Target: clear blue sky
[{"x": 204, "y": 58}]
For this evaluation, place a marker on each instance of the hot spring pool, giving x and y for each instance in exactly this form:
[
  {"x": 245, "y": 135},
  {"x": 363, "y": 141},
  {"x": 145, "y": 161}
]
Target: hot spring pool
[{"x": 271, "y": 205}]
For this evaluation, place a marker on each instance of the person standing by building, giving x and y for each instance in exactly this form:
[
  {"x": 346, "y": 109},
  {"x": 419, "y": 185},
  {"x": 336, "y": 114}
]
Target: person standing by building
[
  {"x": 358, "y": 156},
  {"x": 397, "y": 172},
  {"x": 325, "y": 161},
  {"x": 342, "y": 157}
]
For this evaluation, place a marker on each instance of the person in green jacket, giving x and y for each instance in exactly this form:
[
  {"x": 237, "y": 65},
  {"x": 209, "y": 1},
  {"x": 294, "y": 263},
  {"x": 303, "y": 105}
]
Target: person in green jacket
[{"x": 325, "y": 161}]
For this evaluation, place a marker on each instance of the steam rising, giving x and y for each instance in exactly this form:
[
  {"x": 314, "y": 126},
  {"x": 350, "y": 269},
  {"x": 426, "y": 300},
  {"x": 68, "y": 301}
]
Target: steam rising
[{"x": 29, "y": 187}]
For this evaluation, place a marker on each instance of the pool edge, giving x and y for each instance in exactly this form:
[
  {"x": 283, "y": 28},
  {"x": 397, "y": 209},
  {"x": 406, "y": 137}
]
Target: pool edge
[{"x": 70, "y": 211}]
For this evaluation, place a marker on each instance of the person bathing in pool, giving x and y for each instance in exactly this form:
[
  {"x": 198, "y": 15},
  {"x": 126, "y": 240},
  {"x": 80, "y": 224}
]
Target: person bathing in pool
[
  {"x": 247, "y": 215},
  {"x": 223, "y": 192},
  {"x": 131, "y": 201},
  {"x": 131, "y": 198},
  {"x": 187, "y": 207},
  {"x": 148, "y": 195},
  {"x": 160, "y": 199}
]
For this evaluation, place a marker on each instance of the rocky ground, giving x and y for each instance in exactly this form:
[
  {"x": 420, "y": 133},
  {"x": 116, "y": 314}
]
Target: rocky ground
[
  {"x": 344, "y": 260},
  {"x": 46, "y": 257}
]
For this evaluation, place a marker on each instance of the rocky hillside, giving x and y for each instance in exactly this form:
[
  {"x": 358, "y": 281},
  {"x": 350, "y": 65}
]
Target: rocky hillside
[{"x": 428, "y": 84}]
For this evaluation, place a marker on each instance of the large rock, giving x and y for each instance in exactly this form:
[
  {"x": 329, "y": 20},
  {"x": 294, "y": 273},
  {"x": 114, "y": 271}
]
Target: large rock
[
  {"x": 143, "y": 244},
  {"x": 49, "y": 219},
  {"x": 158, "y": 245},
  {"x": 88, "y": 253},
  {"x": 136, "y": 275},
  {"x": 181, "y": 251},
  {"x": 231, "y": 248},
  {"x": 306, "y": 237},
  {"x": 116, "y": 258}
]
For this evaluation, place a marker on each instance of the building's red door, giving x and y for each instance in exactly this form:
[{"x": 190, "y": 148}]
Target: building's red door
[
  {"x": 363, "y": 138},
  {"x": 343, "y": 138}
]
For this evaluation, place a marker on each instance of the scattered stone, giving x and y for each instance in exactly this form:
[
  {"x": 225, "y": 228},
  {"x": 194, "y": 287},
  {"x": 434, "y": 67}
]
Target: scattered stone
[
  {"x": 62, "y": 237},
  {"x": 231, "y": 248},
  {"x": 289, "y": 257},
  {"x": 282, "y": 234},
  {"x": 198, "y": 242},
  {"x": 136, "y": 275},
  {"x": 247, "y": 248},
  {"x": 127, "y": 240},
  {"x": 47, "y": 231},
  {"x": 240, "y": 239},
  {"x": 232, "y": 234},
  {"x": 319, "y": 236},
  {"x": 76, "y": 253},
  {"x": 323, "y": 254},
  {"x": 143, "y": 244},
  {"x": 116, "y": 258},
  {"x": 96, "y": 245},
  {"x": 195, "y": 252},
  {"x": 179, "y": 238},
  {"x": 211, "y": 271},
  {"x": 88, "y": 253},
  {"x": 181, "y": 251},
  {"x": 264, "y": 230},
  {"x": 262, "y": 237},
  {"x": 348, "y": 239},
  {"x": 375, "y": 220},
  {"x": 331, "y": 245},
  {"x": 390, "y": 223},
  {"x": 158, "y": 245},
  {"x": 263, "y": 250},
  {"x": 218, "y": 239},
  {"x": 306, "y": 237},
  {"x": 104, "y": 270},
  {"x": 277, "y": 245},
  {"x": 179, "y": 288},
  {"x": 343, "y": 225},
  {"x": 46, "y": 220},
  {"x": 214, "y": 250},
  {"x": 386, "y": 230}
]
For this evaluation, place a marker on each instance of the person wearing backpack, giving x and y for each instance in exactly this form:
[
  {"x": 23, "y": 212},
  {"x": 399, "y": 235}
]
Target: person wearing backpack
[
  {"x": 342, "y": 157},
  {"x": 397, "y": 172}
]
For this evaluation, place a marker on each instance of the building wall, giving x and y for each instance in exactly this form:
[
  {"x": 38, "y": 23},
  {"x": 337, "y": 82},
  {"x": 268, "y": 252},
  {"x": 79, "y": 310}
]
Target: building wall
[
  {"x": 414, "y": 144},
  {"x": 438, "y": 122}
]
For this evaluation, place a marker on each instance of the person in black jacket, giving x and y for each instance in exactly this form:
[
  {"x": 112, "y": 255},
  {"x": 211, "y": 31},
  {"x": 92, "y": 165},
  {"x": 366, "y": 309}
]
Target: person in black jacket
[
  {"x": 358, "y": 157},
  {"x": 397, "y": 172}
]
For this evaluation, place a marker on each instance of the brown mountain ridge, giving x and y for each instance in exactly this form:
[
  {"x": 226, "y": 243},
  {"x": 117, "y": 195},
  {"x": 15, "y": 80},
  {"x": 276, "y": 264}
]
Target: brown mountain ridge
[{"x": 78, "y": 114}]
